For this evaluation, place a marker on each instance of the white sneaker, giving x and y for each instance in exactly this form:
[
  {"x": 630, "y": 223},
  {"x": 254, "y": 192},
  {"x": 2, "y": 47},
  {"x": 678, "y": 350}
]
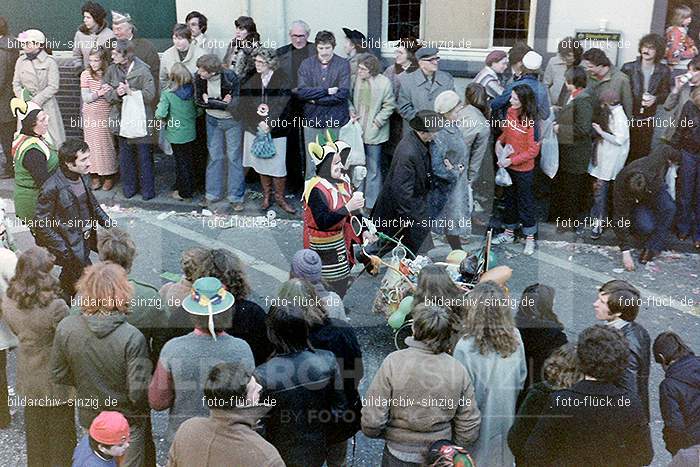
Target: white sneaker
[
  {"x": 529, "y": 247},
  {"x": 502, "y": 238}
]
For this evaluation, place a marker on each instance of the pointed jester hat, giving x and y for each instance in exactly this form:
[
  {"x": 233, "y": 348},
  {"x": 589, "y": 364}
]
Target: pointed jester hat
[
  {"x": 325, "y": 147},
  {"x": 21, "y": 108}
]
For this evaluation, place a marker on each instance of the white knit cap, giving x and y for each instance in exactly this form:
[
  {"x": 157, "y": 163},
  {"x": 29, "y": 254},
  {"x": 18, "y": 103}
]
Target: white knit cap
[
  {"x": 31, "y": 35},
  {"x": 446, "y": 101},
  {"x": 532, "y": 60}
]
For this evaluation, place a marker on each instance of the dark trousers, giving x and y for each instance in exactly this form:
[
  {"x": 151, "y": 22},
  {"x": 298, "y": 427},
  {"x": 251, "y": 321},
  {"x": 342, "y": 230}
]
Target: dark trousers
[
  {"x": 69, "y": 276},
  {"x": 571, "y": 195},
  {"x": 7, "y": 130},
  {"x": 654, "y": 220},
  {"x": 136, "y": 168},
  {"x": 688, "y": 219},
  {"x": 50, "y": 433},
  {"x": 641, "y": 134},
  {"x": 5, "y": 418},
  {"x": 296, "y": 152},
  {"x": 199, "y": 155},
  {"x": 389, "y": 460},
  {"x": 184, "y": 180},
  {"x": 520, "y": 202}
]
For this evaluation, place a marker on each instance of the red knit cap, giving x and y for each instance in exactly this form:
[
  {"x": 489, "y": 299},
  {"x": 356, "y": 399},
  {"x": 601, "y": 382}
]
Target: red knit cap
[{"x": 109, "y": 428}]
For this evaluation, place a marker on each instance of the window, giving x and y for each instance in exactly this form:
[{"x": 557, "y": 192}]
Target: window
[
  {"x": 511, "y": 20},
  {"x": 404, "y": 19}
]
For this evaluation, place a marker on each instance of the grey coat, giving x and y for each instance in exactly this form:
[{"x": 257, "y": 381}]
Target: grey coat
[
  {"x": 139, "y": 79},
  {"x": 40, "y": 77},
  {"x": 8, "y": 58},
  {"x": 418, "y": 93}
]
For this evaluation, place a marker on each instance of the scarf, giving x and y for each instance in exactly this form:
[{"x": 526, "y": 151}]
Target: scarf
[{"x": 33, "y": 55}]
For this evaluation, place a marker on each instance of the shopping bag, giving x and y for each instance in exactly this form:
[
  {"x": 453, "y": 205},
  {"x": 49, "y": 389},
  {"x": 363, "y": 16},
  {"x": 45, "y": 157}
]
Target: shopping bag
[
  {"x": 263, "y": 146},
  {"x": 351, "y": 133},
  {"x": 502, "y": 175},
  {"x": 549, "y": 153},
  {"x": 133, "y": 122}
]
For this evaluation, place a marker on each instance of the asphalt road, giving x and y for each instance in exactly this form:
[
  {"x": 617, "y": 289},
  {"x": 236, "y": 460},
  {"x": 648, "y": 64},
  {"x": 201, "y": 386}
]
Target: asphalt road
[{"x": 575, "y": 270}]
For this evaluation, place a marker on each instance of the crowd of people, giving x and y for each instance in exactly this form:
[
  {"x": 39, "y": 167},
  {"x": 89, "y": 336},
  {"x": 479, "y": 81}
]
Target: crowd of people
[{"x": 245, "y": 385}]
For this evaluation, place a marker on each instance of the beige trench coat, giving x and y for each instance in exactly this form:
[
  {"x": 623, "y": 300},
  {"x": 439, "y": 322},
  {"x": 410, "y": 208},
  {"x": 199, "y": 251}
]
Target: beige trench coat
[{"x": 41, "y": 78}]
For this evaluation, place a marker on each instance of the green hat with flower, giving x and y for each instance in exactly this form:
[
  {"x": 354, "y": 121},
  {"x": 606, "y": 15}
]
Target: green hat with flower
[{"x": 208, "y": 298}]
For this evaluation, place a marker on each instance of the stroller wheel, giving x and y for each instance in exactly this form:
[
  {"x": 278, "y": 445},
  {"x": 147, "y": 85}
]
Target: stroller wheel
[{"x": 402, "y": 333}]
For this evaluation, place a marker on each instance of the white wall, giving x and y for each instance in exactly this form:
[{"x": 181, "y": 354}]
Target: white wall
[
  {"x": 272, "y": 17},
  {"x": 632, "y": 17}
]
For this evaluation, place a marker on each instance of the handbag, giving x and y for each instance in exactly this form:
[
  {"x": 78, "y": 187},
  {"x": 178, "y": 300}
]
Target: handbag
[
  {"x": 351, "y": 133},
  {"x": 133, "y": 122},
  {"x": 263, "y": 147},
  {"x": 549, "y": 153}
]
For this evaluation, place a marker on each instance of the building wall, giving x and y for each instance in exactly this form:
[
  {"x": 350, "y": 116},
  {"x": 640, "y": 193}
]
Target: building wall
[
  {"x": 632, "y": 17},
  {"x": 272, "y": 17}
]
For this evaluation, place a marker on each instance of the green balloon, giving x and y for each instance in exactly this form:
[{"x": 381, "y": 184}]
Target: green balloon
[{"x": 398, "y": 317}]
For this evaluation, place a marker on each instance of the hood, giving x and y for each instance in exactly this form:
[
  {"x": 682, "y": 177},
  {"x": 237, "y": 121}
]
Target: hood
[
  {"x": 249, "y": 415},
  {"x": 686, "y": 370},
  {"x": 103, "y": 326},
  {"x": 185, "y": 92}
]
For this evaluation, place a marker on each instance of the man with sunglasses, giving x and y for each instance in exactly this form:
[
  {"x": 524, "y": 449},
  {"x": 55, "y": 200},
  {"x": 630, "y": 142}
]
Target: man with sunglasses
[{"x": 420, "y": 87}]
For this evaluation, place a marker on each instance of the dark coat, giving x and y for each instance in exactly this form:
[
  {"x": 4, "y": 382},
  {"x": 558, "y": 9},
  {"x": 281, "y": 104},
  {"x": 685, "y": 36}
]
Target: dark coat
[
  {"x": 249, "y": 325},
  {"x": 58, "y": 213},
  {"x": 660, "y": 85},
  {"x": 229, "y": 86},
  {"x": 340, "y": 338},
  {"x": 305, "y": 387},
  {"x": 636, "y": 378},
  {"x": 104, "y": 357},
  {"x": 404, "y": 196},
  {"x": 286, "y": 63},
  {"x": 276, "y": 95},
  {"x": 679, "y": 398},
  {"x": 533, "y": 407},
  {"x": 540, "y": 339},
  {"x": 575, "y": 133},
  {"x": 687, "y": 137},
  {"x": 8, "y": 58},
  {"x": 576, "y": 432},
  {"x": 654, "y": 167},
  {"x": 322, "y": 110}
]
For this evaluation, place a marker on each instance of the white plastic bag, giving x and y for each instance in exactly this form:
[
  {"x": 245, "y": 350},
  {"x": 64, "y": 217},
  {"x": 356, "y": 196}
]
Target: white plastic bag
[
  {"x": 503, "y": 177},
  {"x": 351, "y": 133},
  {"x": 549, "y": 153},
  {"x": 133, "y": 122}
]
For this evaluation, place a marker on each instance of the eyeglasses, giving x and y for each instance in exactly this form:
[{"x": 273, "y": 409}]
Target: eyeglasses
[
  {"x": 431, "y": 60},
  {"x": 298, "y": 36}
]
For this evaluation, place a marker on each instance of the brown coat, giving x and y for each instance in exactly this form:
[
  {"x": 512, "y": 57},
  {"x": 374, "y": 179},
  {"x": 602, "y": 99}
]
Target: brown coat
[
  {"x": 40, "y": 77},
  {"x": 35, "y": 330},
  {"x": 224, "y": 438},
  {"x": 418, "y": 397}
]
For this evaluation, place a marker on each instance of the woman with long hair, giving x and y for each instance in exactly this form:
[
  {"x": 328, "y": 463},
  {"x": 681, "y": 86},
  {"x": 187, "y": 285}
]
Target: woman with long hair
[
  {"x": 32, "y": 308},
  {"x": 239, "y": 54},
  {"x": 518, "y": 142},
  {"x": 340, "y": 338},
  {"x": 493, "y": 353},
  {"x": 95, "y": 111},
  {"x": 539, "y": 327}
]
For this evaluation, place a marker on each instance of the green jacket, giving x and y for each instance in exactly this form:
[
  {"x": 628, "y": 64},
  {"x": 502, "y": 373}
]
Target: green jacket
[
  {"x": 179, "y": 114},
  {"x": 575, "y": 134},
  {"x": 26, "y": 189},
  {"x": 616, "y": 81}
]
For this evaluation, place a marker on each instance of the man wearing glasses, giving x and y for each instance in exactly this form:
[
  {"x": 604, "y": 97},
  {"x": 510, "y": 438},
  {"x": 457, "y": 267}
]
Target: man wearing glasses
[{"x": 420, "y": 87}]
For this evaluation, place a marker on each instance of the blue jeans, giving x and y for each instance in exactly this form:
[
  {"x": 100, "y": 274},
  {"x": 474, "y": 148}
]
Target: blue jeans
[
  {"x": 136, "y": 169},
  {"x": 373, "y": 182},
  {"x": 520, "y": 202},
  {"x": 225, "y": 134},
  {"x": 599, "y": 210},
  {"x": 688, "y": 220},
  {"x": 654, "y": 221}
]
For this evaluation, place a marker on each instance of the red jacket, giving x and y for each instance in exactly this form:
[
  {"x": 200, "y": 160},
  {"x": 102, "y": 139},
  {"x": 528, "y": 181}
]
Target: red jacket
[{"x": 522, "y": 138}]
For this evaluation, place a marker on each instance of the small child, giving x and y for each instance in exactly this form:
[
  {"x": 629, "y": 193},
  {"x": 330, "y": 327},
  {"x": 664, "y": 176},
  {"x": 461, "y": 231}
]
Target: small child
[
  {"x": 177, "y": 107},
  {"x": 687, "y": 140},
  {"x": 680, "y": 47},
  {"x": 519, "y": 133},
  {"x": 105, "y": 443}
]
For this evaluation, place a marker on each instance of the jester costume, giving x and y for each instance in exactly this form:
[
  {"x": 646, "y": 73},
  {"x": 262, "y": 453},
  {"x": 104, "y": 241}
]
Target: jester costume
[
  {"x": 327, "y": 223},
  {"x": 26, "y": 188}
]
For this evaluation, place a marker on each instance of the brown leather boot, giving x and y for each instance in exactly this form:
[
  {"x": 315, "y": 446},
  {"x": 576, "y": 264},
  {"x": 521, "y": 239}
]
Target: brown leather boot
[
  {"x": 266, "y": 183},
  {"x": 279, "y": 195}
]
